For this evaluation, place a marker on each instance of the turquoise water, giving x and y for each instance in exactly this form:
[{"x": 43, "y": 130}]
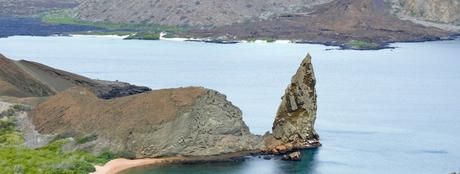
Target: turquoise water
[{"x": 386, "y": 111}]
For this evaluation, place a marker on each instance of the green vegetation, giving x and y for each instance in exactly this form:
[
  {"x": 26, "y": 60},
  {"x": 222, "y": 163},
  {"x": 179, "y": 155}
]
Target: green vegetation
[
  {"x": 270, "y": 40},
  {"x": 15, "y": 158},
  {"x": 8, "y": 134},
  {"x": 147, "y": 31},
  {"x": 251, "y": 40},
  {"x": 13, "y": 109},
  {"x": 86, "y": 139},
  {"x": 63, "y": 136},
  {"x": 144, "y": 36},
  {"x": 170, "y": 35},
  {"x": 101, "y": 33},
  {"x": 266, "y": 39},
  {"x": 358, "y": 44}
]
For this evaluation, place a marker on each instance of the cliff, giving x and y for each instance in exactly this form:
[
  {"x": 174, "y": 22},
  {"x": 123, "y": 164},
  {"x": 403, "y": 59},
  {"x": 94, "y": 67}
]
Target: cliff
[
  {"x": 169, "y": 122},
  {"x": 295, "y": 119},
  {"x": 293, "y": 128}
]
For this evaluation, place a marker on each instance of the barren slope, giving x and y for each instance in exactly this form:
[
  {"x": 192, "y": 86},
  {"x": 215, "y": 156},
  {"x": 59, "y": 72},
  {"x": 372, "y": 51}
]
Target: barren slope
[
  {"x": 188, "y": 13},
  {"x": 30, "y": 79},
  {"x": 335, "y": 23}
]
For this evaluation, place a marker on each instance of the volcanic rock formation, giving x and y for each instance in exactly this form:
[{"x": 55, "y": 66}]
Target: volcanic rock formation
[
  {"x": 192, "y": 121},
  {"x": 295, "y": 119},
  {"x": 170, "y": 122}
]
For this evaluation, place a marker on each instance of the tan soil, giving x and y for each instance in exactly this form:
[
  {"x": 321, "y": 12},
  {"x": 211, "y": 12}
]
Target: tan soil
[
  {"x": 119, "y": 165},
  {"x": 75, "y": 104}
]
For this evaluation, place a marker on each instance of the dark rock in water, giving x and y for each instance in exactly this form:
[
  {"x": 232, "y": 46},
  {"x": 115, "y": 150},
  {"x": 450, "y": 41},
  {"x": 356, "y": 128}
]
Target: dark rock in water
[
  {"x": 294, "y": 122},
  {"x": 23, "y": 26},
  {"x": 120, "y": 89},
  {"x": 268, "y": 157},
  {"x": 294, "y": 156}
]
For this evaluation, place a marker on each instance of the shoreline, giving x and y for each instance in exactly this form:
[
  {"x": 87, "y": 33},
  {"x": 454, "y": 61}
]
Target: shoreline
[
  {"x": 381, "y": 46},
  {"x": 119, "y": 165},
  {"x": 338, "y": 46}
]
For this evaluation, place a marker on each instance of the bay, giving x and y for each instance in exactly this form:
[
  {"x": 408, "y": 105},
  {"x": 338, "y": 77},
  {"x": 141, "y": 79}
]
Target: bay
[{"x": 385, "y": 111}]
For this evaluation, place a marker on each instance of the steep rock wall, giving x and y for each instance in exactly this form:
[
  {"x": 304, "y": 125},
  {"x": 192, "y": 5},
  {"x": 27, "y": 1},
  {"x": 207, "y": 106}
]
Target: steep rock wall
[{"x": 295, "y": 119}]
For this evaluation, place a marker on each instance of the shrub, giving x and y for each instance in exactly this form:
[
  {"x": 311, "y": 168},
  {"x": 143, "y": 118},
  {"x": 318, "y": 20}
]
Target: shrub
[
  {"x": 126, "y": 154},
  {"x": 105, "y": 157},
  {"x": 86, "y": 139},
  {"x": 64, "y": 135},
  {"x": 144, "y": 36},
  {"x": 359, "y": 44}
]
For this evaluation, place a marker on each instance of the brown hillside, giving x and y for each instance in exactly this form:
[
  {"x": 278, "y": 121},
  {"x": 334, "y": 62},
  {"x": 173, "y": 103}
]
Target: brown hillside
[
  {"x": 21, "y": 80},
  {"x": 337, "y": 22},
  {"x": 8, "y": 89},
  {"x": 33, "y": 79},
  {"x": 185, "y": 121},
  {"x": 78, "y": 109}
]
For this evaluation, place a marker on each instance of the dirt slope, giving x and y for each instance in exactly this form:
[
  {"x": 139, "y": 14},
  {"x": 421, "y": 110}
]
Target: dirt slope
[
  {"x": 23, "y": 83},
  {"x": 29, "y": 79}
]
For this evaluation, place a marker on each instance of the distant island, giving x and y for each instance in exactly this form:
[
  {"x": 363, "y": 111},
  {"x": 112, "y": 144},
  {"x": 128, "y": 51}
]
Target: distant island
[
  {"x": 86, "y": 122},
  {"x": 368, "y": 24}
]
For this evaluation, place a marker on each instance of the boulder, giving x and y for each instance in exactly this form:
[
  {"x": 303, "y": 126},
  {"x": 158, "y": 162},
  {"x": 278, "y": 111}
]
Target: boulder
[{"x": 294, "y": 156}]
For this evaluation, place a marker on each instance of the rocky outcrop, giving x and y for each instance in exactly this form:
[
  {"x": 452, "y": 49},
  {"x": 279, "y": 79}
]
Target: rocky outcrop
[
  {"x": 170, "y": 122},
  {"x": 192, "y": 121},
  {"x": 294, "y": 156},
  {"x": 30, "y": 79},
  {"x": 441, "y": 11},
  {"x": 293, "y": 127}
]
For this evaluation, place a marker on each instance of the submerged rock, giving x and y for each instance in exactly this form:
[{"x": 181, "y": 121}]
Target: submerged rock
[
  {"x": 294, "y": 156},
  {"x": 295, "y": 119}
]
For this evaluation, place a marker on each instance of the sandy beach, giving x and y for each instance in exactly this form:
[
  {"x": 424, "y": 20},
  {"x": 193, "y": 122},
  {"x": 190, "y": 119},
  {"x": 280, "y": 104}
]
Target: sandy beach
[{"x": 118, "y": 165}]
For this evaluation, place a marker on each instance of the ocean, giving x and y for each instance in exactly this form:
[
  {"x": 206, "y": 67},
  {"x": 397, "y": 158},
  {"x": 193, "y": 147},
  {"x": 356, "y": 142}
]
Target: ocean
[{"x": 382, "y": 111}]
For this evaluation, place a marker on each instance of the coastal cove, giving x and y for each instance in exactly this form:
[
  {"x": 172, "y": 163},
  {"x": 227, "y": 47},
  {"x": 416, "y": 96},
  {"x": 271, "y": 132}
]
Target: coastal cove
[{"x": 384, "y": 111}]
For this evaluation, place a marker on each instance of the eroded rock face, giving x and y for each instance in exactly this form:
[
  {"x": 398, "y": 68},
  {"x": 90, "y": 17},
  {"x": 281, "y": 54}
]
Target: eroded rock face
[
  {"x": 295, "y": 119},
  {"x": 441, "y": 11},
  {"x": 170, "y": 122}
]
